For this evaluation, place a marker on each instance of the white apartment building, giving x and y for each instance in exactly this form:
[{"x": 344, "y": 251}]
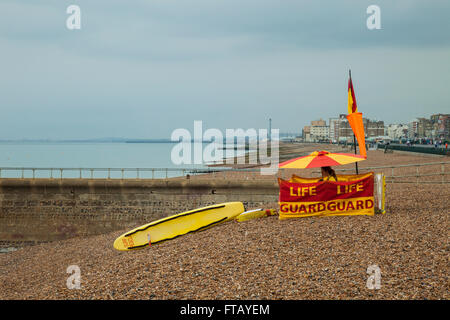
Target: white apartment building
[
  {"x": 320, "y": 133},
  {"x": 334, "y": 129},
  {"x": 413, "y": 128},
  {"x": 397, "y": 131}
]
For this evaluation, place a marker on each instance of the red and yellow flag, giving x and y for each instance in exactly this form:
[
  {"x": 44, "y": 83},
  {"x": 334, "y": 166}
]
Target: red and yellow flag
[
  {"x": 355, "y": 119},
  {"x": 352, "y": 107}
]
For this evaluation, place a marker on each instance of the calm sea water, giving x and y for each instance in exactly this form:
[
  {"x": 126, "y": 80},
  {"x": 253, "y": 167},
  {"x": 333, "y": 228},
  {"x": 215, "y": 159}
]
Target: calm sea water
[{"x": 89, "y": 155}]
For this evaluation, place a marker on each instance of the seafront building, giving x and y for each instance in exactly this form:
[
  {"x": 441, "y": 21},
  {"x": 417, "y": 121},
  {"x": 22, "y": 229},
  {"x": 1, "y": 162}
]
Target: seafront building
[
  {"x": 397, "y": 131},
  {"x": 420, "y": 127},
  {"x": 339, "y": 129},
  {"x": 317, "y": 131},
  {"x": 372, "y": 128},
  {"x": 306, "y": 133},
  {"x": 320, "y": 133},
  {"x": 441, "y": 125},
  {"x": 437, "y": 127},
  {"x": 334, "y": 129}
]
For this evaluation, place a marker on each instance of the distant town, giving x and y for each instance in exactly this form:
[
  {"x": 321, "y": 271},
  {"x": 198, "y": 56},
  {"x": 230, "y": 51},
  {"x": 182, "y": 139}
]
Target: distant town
[
  {"x": 435, "y": 129},
  {"x": 420, "y": 130}
]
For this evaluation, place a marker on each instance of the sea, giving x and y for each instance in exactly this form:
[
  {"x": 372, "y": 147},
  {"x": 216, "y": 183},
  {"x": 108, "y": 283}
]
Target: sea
[{"x": 93, "y": 160}]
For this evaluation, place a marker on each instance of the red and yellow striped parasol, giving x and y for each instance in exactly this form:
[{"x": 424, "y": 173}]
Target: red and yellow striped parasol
[{"x": 321, "y": 159}]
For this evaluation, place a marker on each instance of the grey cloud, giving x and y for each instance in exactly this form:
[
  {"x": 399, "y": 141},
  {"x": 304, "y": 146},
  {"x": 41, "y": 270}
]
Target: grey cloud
[
  {"x": 176, "y": 29},
  {"x": 142, "y": 68}
]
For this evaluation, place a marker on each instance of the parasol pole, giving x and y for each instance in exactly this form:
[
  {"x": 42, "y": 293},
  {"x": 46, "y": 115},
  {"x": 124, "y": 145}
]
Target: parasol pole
[{"x": 354, "y": 137}]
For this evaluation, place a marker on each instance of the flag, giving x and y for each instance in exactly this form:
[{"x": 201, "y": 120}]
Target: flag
[
  {"x": 352, "y": 107},
  {"x": 355, "y": 119}
]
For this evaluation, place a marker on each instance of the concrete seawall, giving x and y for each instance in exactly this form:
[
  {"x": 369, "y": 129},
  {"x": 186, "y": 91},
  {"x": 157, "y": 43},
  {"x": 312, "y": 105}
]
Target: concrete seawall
[{"x": 40, "y": 210}]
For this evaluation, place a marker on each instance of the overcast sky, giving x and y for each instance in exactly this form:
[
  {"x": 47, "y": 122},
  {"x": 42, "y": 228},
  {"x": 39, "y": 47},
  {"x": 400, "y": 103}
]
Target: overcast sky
[{"x": 141, "y": 69}]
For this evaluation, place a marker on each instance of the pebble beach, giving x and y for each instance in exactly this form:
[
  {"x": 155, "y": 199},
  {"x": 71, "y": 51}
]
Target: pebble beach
[{"x": 266, "y": 258}]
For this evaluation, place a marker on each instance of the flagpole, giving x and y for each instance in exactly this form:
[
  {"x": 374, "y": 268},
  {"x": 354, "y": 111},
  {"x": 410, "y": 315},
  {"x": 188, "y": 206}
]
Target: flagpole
[
  {"x": 354, "y": 143},
  {"x": 354, "y": 137}
]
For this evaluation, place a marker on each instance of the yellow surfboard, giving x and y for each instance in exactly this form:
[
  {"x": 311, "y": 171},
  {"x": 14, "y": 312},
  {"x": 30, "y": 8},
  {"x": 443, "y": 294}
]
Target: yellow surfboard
[
  {"x": 254, "y": 214},
  {"x": 177, "y": 225}
]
